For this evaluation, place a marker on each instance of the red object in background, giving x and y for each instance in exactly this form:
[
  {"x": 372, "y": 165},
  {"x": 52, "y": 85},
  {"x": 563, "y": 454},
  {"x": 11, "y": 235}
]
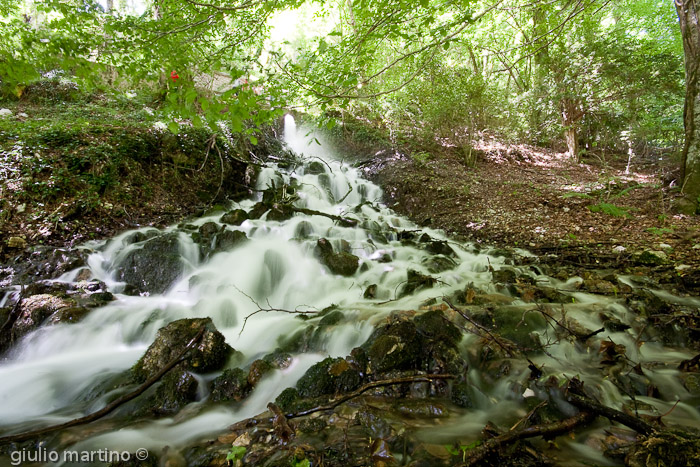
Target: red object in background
[{"x": 173, "y": 75}]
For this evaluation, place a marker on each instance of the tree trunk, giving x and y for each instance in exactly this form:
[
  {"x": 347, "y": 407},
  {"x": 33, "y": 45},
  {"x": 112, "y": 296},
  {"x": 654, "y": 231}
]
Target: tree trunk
[
  {"x": 572, "y": 141},
  {"x": 690, "y": 31},
  {"x": 571, "y": 114}
]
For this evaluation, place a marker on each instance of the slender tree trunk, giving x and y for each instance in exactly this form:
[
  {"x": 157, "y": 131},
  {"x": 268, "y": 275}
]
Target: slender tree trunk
[
  {"x": 540, "y": 71},
  {"x": 570, "y": 115},
  {"x": 572, "y": 141},
  {"x": 690, "y": 31}
]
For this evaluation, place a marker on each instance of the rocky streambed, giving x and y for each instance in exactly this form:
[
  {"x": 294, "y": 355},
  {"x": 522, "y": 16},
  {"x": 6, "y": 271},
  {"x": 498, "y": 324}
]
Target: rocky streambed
[{"x": 311, "y": 325}]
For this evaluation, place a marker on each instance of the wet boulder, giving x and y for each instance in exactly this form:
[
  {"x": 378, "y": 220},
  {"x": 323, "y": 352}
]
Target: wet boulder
[
  {"x": 208, "y": 230},
  {"x": 231, "y": 385},
  {"x": 229, "y": 239},
  {"x": 235, "y": 217},
  {"x": 438, "y": 263},
  {"x": 436, "y": 247},
  {"x": 460, "y": 395},
  {"x": 154, "y": 267},
  {"x": 177, "y": 389},
  {"x": 395, "y": 346},
  {"x": 258, "y": 210},
  {"x": 49, "y": 263},
  {"x": 370, "y": 292},
  {"x": 258, "y": 369},
  {"x": 67, "y": 315},
  {"x": 504, "y": 276},
  {"x": 426, "y": 343},
  {"x": 280, "y": 212},
  {"x": 515, "y": 323},
  {"x": 210, "y": 354},
  {"x": 315, "y": 168},
  {"x": 374, "y": 423},
  {"x": 327, "y": 377},
  {"x": 141, "y": 236},
  {"x": 342, "y": 263},
  {"x": 34, "y": 311},
  {"x": 416, "y": 281}
]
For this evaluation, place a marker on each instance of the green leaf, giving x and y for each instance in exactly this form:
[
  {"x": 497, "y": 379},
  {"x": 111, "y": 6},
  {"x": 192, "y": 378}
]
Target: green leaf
[
  {"x": 174, "y": 127},
  {"x": 236, "y": 453},
  {"x": 253, "y": 140}
]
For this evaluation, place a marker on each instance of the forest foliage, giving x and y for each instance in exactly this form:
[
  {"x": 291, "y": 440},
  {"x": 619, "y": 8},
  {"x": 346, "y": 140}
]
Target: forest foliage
[{"x": 587, "y": 75}]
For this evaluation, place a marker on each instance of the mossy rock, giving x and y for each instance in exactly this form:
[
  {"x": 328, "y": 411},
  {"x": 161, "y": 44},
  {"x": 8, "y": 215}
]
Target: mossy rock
[
  {"x": 210, "y": 354},
  {"x": 279, "y": 359},
  {"x": 315, "y": 168},
  {"x": 516, "y": 324},
  {"x": 155, "y": 266},
  {"x": 434, "y": 326},
  {"x": 177, "y": 389},
  {"x": 258, "y": 210},
  {"x": 416, "y": 281},
  {"x": 280, "y": 212},
  {"x": 665, "y": 449},
  {"x": 342, "y": 263},
  {"x": 208, "y": 230},
  {"x": 395, "y": 346},
  {"x": 235, "y": 217},
  {"x": 332, "y": 318},
  {"x": 460, "y": 395},
  {"x": 287, "y": 399},
  {"x": 652, "y": 258},
  {"x": 141, "y": 236},
  {"x": 231, "y": 385},
  {"x": 437, "y": 263},
  {"x": 68, "y": 315},
  {"x": 229, "y": 239},
  {"x": 258, "y": 369},
  {"x": 328, "y": 377}
]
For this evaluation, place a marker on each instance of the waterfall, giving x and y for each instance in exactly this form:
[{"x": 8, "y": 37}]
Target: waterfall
[{"x": 50, "y": 374}]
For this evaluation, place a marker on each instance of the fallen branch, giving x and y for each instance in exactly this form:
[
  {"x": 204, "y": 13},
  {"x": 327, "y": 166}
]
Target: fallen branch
[
  {"x": 112, "y": 405},
  {"x": 344, "y": 221},
  {"x": 376, "y": 384},
  {"x": 346, "y": 194},
  {"x": 269, "y": 309},
  {"x": 591, "y": 406},
  {"x": 548, "y": 430}
]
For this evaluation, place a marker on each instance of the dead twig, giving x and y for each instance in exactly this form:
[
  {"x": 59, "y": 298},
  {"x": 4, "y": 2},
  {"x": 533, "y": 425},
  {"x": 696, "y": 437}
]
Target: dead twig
[
  {"x": 376, "y": 384},
  {"x": 548, "y": 430},
  {"x": 269, "y": 309},
  {"x": 344, "y": 221}
]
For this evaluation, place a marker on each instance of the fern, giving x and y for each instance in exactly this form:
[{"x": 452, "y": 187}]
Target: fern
[{"x": 609, "y": 209}]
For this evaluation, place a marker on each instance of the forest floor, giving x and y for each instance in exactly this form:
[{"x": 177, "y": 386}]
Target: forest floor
[
  {"x": 596, "y": 212},
  {"x": 76, "y": 167}
]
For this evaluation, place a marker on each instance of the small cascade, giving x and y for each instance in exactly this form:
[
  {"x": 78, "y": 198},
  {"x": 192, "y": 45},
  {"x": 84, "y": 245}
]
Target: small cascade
[{"x": 53, "y": 373}]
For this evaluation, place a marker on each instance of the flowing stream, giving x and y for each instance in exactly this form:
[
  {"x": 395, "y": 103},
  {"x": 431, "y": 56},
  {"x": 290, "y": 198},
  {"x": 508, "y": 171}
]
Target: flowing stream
[{"x": 51, "y": 375}]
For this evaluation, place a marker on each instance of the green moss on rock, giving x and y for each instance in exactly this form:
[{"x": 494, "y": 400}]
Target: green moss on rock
[{"x": 210, "y": 354}]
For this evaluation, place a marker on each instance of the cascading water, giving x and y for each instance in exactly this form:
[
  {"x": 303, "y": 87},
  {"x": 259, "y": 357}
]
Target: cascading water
[{"x": 51, "y": 374}]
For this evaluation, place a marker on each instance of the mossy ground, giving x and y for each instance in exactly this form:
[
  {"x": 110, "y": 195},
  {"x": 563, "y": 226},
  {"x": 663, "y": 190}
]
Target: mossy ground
[{"x": 80, "y": 166}]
